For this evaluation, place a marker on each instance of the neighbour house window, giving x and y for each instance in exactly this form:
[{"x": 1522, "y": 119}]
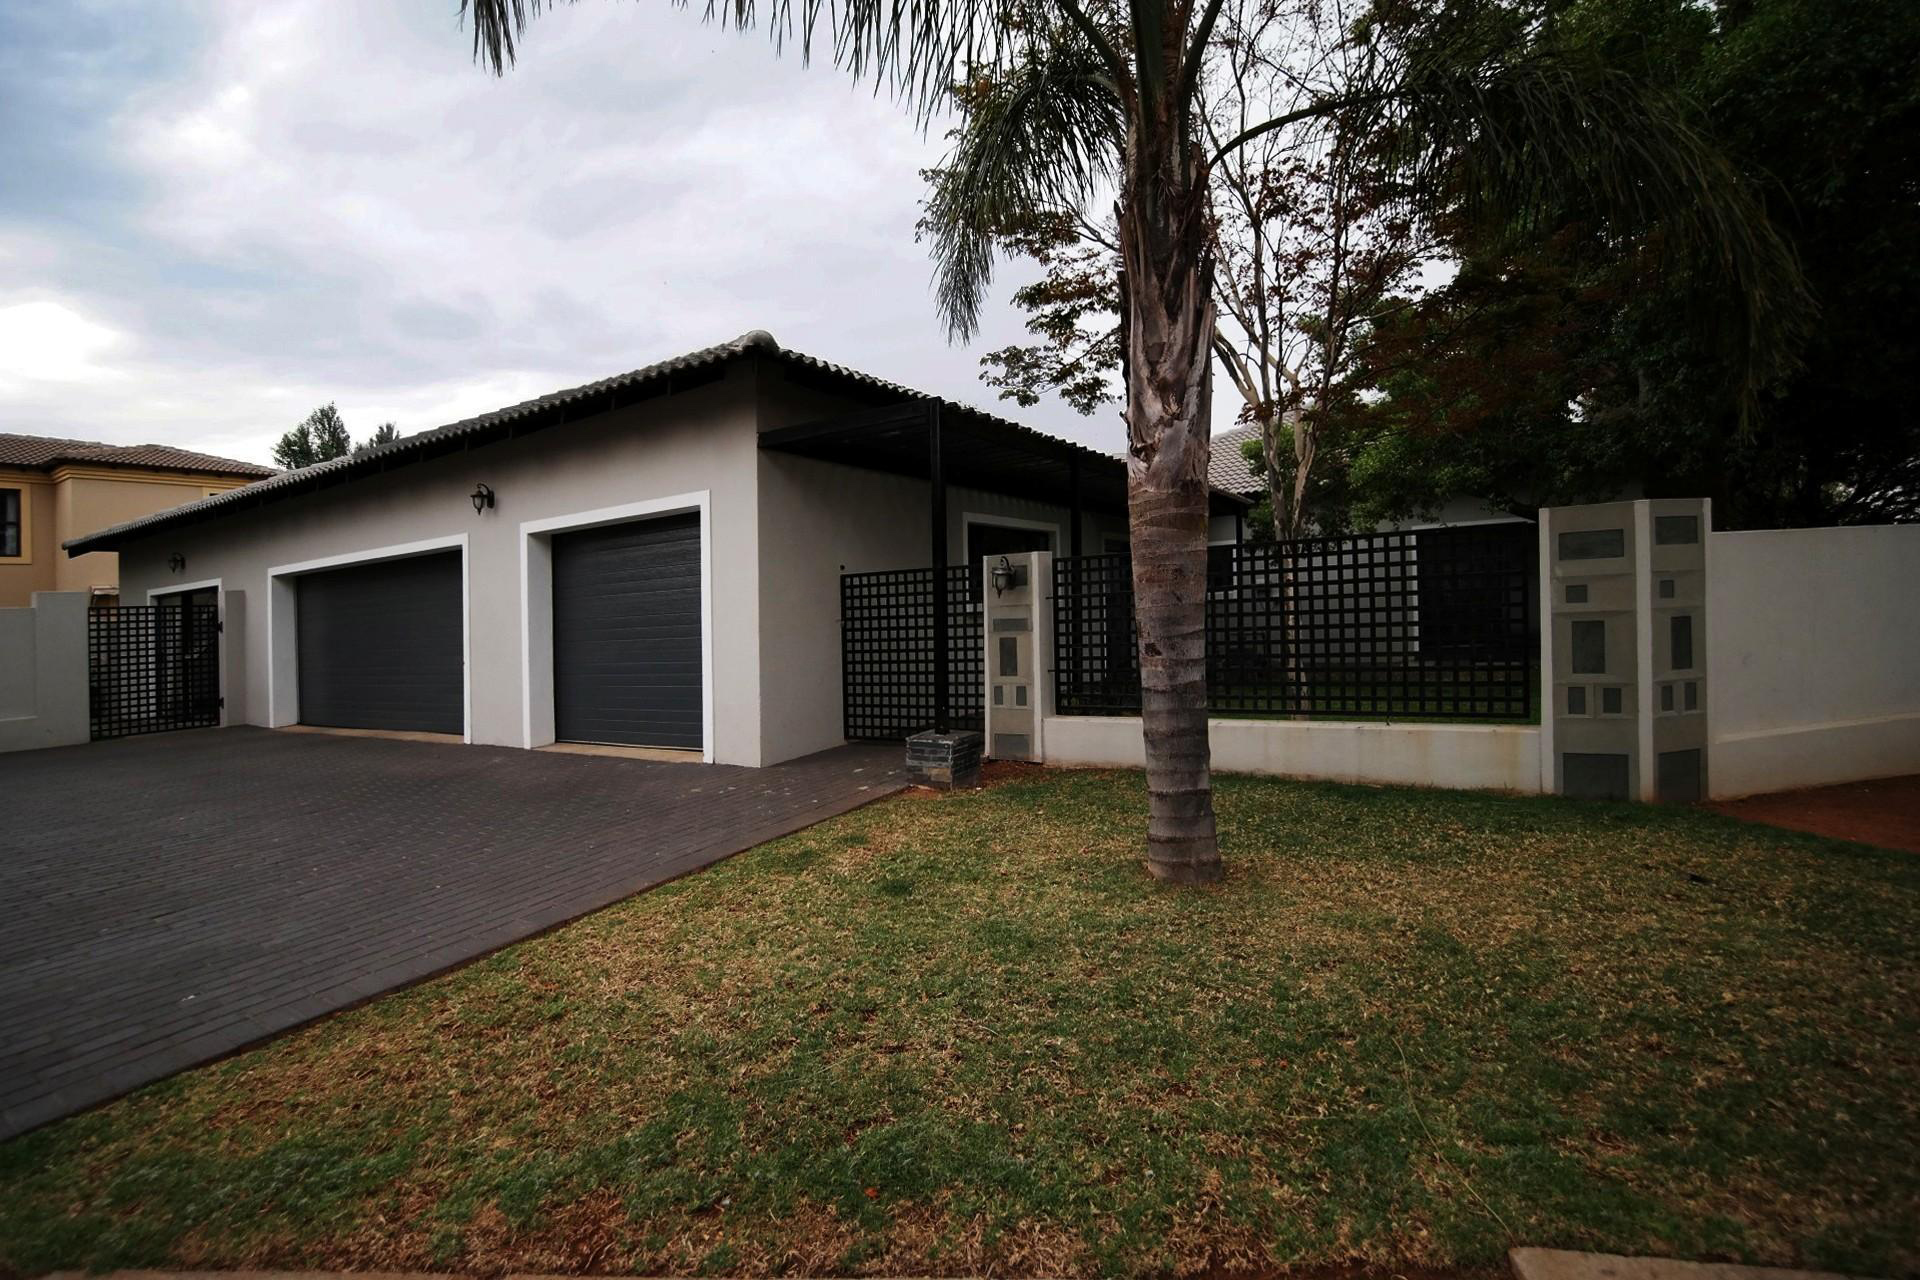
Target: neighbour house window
[
  {"x": 10, "y": 531},
  {"x": 1220, "y": 566},
  {"x": 1466, "y": 603}
]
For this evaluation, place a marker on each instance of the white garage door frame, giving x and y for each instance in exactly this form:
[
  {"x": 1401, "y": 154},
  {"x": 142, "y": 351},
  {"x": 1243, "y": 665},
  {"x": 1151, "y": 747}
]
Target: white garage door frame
[
  {"x": 220, "y": 605},
  {"x": 536, "y": 607},
  {"x": 283, "y": 658}
]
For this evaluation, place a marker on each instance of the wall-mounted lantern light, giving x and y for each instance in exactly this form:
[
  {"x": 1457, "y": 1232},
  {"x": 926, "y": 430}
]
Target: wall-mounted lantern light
[
  {"x": 482, "y": 498},
  {"x": 176, "y": 562},
  {"x": 1002, "y": 575}
]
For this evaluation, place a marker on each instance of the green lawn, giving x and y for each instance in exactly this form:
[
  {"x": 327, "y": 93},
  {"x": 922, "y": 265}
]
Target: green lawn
[{"x": 954, "y": 1034}]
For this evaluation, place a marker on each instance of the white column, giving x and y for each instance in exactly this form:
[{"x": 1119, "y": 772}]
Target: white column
[{"x": 1018, "y": 617}]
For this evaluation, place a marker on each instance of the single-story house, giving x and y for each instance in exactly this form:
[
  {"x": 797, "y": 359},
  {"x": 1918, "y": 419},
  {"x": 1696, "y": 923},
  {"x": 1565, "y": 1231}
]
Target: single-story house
[
  {"x": 1229, "y": 471},
  {"x": 653, "y": 559},
  {"x": 53, "y": 489}
]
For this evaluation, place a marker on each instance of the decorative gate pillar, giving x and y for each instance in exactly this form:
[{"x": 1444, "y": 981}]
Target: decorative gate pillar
[
  {"x": 1018, "y": 593},
  {"x": 1623, "y": 667}
]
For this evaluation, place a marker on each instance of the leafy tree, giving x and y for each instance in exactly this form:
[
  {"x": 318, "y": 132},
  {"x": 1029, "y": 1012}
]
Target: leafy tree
[
  {"x": 320, "y": 437},
  {"x": 1063, "y": 103},
  {"x": 295, "y": 447},
  {"x": 1307, "y": 243},
  {"x": 1563, "y": 372},
  {"x": 385, "y": 433}
]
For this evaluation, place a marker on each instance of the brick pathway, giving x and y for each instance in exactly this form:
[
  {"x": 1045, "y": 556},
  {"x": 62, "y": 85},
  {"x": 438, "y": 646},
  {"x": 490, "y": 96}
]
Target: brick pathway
[{"x": 167, "y": 900}]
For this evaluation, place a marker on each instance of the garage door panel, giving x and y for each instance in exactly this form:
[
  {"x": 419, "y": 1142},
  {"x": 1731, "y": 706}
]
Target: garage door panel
[
  {"x": 381, "y": 646},
  {"x": 627, "y": 643}
]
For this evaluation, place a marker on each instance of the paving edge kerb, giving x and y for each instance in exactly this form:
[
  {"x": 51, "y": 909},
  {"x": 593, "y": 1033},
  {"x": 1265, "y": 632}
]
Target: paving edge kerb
[
  {"x": 323, "y": 1275},
  {"x": 328, "y": 1275},
  {"x": 1571, "y": 1264},
  {"x": 304, "y": 1275}
]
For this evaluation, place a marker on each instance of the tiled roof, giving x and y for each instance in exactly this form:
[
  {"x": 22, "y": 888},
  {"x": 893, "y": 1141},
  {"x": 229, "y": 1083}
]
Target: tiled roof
[
  {"x": 383, "y": 457},
  {"x": 43, "y": 453},
  {"x": 1227, "y": 465}
]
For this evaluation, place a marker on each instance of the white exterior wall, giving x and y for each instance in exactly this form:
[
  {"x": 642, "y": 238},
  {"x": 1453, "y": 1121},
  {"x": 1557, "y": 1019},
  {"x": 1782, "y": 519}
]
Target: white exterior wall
[
  {"x": 819, "y": 520},
  {"x": 1473, "y": 757},
  {"x": 781, "y": 530},
  {"x": 699, "y": 441},
  {"x": 1811, "y": 654}
]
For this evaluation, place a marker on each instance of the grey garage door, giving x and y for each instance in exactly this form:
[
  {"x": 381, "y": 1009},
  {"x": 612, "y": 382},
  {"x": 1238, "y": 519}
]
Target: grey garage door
[
  {"x": 380, "y": 646},
  {"x": 626, "y": 634}
]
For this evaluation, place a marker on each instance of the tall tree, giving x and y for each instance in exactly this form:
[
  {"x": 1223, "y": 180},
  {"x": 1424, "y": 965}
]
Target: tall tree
[
  {"x": 385, "y": 433},
  {"x": 320, "y": 437},
  {"x": 1560, "y": 371},
  {"x": 1308, "y": 244},
  {"x": 1062, "y": 101}
]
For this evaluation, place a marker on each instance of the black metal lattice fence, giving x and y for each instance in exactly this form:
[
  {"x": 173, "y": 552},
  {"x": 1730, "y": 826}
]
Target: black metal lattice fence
[
  {"x": 887, "y": 653},
  {"x": 152, "y": 668},
  {"x": 1431, "y": 623}
]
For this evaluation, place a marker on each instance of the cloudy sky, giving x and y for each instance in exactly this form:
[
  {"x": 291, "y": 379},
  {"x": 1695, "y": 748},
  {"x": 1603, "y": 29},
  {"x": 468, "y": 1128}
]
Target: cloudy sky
[{"x": 215, "y": 215}]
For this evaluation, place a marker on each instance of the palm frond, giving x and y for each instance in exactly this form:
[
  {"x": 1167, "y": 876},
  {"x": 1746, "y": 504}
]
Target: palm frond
[
  {"x": 915, "y": 49},
  {"x": 497, "y": 25},
  {"x": 1037, "y": 139}
]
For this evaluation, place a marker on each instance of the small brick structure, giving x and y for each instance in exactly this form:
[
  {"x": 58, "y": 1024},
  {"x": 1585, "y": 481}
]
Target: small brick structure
[{"x": 949, "y": 761}]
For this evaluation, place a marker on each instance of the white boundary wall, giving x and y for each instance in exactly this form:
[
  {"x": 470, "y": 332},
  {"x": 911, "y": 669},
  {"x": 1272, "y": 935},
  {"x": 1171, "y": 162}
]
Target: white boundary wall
[
  {"x": 43, "y": 672},
  {"x": 1814, "y": 656},
  {"x": 1473, "y": 757}
]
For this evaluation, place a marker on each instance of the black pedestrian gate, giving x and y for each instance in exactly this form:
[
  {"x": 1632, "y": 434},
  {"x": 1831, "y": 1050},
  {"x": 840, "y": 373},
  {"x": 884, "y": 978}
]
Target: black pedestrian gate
[
  {"x": 153, "y": 667},
  {"x": 888, "y": 659}
]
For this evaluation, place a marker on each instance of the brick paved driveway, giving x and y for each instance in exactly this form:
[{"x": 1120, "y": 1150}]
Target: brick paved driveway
[{"x": 166, "y": 900}]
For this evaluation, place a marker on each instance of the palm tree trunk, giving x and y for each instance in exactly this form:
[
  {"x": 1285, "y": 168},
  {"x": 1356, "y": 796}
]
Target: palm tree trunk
[{"x": 1167, "y": 316}]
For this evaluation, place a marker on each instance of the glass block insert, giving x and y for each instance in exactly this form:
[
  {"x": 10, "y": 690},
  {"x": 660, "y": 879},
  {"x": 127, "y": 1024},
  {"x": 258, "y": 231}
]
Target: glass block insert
[
  {"x": 1577, "y": 593},
  {"x": 1610, "y": 700},
  {"x": 1681, "y": 634},
  {"x": 1589, "y": 648},
  {"x": 1577, "y": 700},
  {"x": 1593, "y": 544},
  {"x": 1672, "y": 531}
]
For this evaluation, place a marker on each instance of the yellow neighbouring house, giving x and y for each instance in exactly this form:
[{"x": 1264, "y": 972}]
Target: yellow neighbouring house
[{"x": 52, "y": 490}]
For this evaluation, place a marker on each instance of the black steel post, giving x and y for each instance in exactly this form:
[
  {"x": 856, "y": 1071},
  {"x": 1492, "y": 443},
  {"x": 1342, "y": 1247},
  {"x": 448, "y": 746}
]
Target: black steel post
[
  {"x": 937, "y": 476},
  {"x": 1069, "y": 607},
  {"x": 1073, "y": 491}
]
